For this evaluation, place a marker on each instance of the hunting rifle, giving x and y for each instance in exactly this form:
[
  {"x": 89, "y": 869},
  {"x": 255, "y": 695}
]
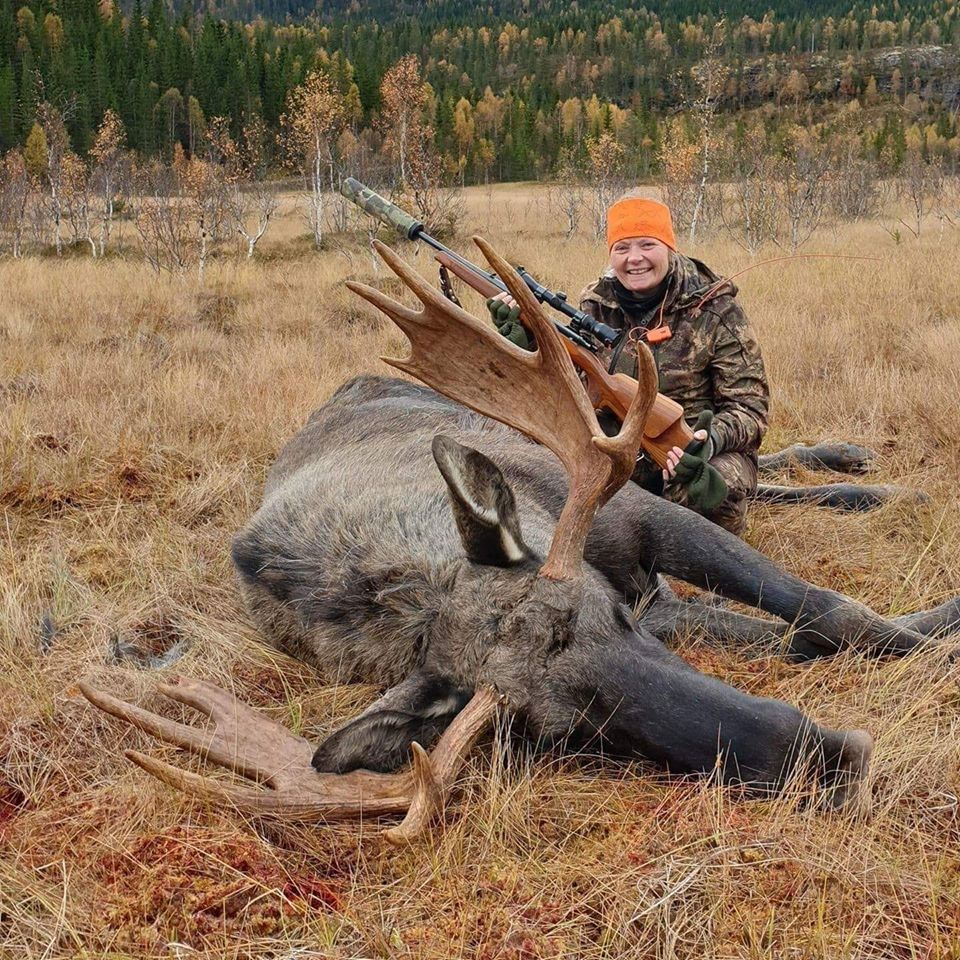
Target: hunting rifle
[{"x": 665, "y": 427}]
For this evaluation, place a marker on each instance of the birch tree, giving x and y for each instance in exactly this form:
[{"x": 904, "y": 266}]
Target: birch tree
[
  {"x": 77, "y": 200},
  {"x": 420, "y": 179},
  {"x": 15, "y": 188},
  {"x": 313, "y": 119},
  {"x": 50, "y": 121},
  {"x": 803, "y": 186},
  {"x": 748, "y": 207},
  {"x": 403, "y": 100},
  {"x": 250, "y": 200},
  {"x": 201, "y": 189},
  {"x": 163, "y": 219},
  {"x": 110, "y": 160},
  {"x": 605, "y": 167},
  {"x": 710, "y": 79}
]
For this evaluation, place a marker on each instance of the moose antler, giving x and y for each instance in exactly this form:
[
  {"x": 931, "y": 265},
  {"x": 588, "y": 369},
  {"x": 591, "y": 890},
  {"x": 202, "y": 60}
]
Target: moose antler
[
  {"x": 245, "y": 741},
  {"x": 537, "y": 392}
]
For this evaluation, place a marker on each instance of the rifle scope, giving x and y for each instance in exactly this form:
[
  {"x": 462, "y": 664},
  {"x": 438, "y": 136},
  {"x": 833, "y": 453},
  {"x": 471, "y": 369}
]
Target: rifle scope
[{"x": 579, "y": 321}]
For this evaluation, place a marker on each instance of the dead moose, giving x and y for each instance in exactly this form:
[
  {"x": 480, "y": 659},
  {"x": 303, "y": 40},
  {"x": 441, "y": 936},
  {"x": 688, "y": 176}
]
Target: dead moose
[{"x": 407, "y": 541}]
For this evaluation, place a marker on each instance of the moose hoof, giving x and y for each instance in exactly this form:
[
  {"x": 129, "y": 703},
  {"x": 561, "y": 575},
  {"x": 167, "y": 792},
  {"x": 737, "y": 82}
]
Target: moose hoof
[{"x": 844, "y": 780}]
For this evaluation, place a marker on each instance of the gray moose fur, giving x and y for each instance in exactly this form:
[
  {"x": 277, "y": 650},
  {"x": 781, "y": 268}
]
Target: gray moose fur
[{"x": 390, "y": 549}]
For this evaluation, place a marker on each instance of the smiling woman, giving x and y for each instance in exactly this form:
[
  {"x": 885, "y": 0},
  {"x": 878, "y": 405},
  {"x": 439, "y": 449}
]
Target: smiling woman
[
  {"x": 707, "y": 357},
  {"x": 640, "y": 264}
]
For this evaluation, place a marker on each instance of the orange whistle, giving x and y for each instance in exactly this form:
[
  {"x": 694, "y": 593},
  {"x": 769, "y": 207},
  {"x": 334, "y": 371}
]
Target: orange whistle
[{"x": 659, "y": 334}]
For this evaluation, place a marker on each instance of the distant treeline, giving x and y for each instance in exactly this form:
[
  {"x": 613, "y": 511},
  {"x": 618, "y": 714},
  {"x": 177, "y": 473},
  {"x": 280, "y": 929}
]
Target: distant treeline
[{"x": 513, "y": 87}]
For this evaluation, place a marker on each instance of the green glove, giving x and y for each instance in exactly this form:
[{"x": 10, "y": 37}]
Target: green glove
[
  {"x": 706, "y": 489},
  {"x": 507, "y": 321},
  {"x": 704, "y": 449}
]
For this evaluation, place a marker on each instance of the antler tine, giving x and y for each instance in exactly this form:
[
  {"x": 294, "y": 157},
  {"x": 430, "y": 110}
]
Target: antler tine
[
  {"x": 625, "y": 446},
  {"x": 424, "y": 291},
  {"x": 395, "y": 311},
  {"x": 194, "y": 739},
  {"x": 242, "y": 740},
  {"x": 437, "y": 307},
  {"x": 265, "y": 802},
  {"x": 434, "y": 775},
  {"x": 210, "y": 700}
]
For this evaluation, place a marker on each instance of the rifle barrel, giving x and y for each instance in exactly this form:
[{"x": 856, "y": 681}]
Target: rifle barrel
[{"x": 413, "y": 229}]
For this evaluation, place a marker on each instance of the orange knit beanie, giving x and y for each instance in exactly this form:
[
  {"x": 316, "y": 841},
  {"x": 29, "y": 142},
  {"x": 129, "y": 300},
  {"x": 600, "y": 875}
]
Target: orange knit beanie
[{"x": 635, "y": 217}]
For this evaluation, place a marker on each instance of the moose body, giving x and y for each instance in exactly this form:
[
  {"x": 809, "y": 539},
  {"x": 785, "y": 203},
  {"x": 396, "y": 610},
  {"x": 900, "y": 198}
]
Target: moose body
[{"x": 372, "y": 564}]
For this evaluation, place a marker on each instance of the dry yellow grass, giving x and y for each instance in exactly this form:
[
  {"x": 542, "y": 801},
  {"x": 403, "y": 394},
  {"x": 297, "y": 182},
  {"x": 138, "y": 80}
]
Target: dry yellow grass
[{"x": 137, "y": 419}]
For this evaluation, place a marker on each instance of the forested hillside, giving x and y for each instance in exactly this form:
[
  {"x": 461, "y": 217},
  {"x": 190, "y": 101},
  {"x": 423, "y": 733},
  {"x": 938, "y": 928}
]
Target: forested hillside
[{"x": 513, "y": 88}]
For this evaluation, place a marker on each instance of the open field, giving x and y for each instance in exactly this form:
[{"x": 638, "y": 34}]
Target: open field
[{"x": 138, "y": 417}]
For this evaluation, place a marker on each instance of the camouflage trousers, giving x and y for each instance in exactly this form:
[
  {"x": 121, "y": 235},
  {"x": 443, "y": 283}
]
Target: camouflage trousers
[{"x": 738, "y": 469}]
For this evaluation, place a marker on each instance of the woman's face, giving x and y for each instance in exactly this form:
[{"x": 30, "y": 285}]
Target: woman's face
[{"x": 640, "y": 263}]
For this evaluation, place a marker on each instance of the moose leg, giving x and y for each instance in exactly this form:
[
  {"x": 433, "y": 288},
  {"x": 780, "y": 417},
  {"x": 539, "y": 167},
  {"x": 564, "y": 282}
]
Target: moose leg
[
  {"x": 418, "y": 709},
  {"x": 634, "y": 697},
  {"x": 668, "y": 619},
  {"x": 838, "y": 456},
  {"x": 944, "y": 619},
  {"x": 678, "y": 542},
  {"x": 851, "y": 497}
]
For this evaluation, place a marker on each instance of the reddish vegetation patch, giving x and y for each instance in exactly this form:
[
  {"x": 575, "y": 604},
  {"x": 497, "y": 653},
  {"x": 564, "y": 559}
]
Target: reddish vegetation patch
[
  {"x": 136, "y": 474},
  {"x": 314, "y": 893},
  {"x": 206, "y": 887},
  {"x": 46, "y": 500},
  {"x": 133, "y": 480},
  {"x": 71, "y": 828},
  {"x": 13, "y": 800},
  {"x": 262, "y": 684}
]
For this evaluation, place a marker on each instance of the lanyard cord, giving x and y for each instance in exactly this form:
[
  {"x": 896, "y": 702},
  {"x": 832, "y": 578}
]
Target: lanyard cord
[{"x": 715, "y": 288}]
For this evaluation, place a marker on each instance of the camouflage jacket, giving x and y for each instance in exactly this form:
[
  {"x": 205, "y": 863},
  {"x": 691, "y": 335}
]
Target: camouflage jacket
[{"x": 712, "y": 359}]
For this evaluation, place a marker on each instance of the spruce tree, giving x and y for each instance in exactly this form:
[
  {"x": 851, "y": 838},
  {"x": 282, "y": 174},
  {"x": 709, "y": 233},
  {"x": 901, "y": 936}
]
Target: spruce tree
[
  {"x": 27, "y": 106},
  {"x": 8, "y": 105}
]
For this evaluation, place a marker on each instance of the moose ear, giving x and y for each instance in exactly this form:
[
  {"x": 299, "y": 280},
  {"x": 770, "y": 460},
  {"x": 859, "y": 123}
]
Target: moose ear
[{"x": 483, "y": 505}]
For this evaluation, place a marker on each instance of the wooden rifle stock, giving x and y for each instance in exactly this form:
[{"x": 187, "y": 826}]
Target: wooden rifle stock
[{"x": 665, "y": 427}]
